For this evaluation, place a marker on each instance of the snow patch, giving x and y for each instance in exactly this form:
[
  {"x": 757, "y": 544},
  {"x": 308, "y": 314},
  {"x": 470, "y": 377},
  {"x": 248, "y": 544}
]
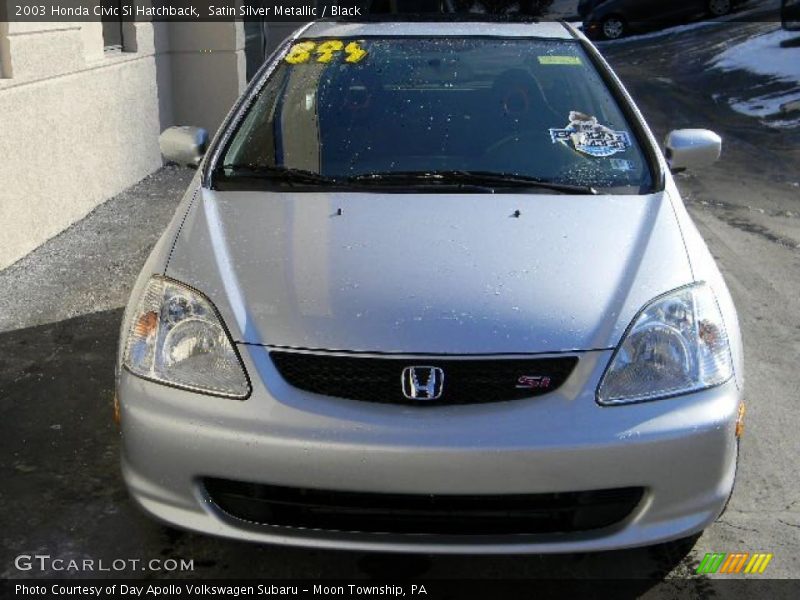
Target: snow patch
[
  {"x": 783, "y": 123},
  {"x": 764, "y": 56},
  {"x": 764, "y": 106}
]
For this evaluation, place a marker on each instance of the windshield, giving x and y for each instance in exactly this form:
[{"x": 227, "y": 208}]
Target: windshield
[{"x": 375, "y": 109}]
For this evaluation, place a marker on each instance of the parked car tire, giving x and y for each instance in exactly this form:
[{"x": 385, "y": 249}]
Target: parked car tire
[
  {"x": 719, "y": 8},
  {"x": 613, "y": 27}
]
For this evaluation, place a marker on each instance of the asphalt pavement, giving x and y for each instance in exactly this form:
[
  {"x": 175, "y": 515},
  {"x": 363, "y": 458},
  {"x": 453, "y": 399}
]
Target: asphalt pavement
[{"x": 60, "y": 309}]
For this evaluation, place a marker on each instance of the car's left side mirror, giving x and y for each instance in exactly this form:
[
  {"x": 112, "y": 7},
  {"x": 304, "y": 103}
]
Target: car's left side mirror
[
  {"x": 183, "y": 145},
  {"x": 691, "y": 148}
]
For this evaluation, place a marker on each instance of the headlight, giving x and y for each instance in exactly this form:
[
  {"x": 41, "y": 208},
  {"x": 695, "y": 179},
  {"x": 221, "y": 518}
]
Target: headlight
[
  {"x": 177, "y": 338},
  {"x": 677, "y": 344}
]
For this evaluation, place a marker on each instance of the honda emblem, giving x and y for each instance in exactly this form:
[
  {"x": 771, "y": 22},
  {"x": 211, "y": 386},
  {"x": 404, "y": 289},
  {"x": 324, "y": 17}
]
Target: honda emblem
[{"x": 423, "y": 383}]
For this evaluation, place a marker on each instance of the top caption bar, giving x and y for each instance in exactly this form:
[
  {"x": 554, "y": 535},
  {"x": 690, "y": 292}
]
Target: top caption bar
[
  {"x": 179, "y": 10},
  {"x": 309, "y": 10}
]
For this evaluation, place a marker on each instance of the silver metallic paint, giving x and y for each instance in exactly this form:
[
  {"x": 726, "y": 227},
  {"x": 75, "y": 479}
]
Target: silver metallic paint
[
  {"x": 282, "y": 271},
  {"x": 430, "y": 273}
]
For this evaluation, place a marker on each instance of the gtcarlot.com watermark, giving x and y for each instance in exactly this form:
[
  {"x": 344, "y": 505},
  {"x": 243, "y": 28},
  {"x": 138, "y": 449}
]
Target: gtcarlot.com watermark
[{"x": 47, "y": 563}]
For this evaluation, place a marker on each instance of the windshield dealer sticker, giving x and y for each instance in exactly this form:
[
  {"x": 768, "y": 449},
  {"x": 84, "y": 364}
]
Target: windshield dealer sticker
[
  {"x": 324, "y": 52},
  {"x": 586, "y": 136},
  {"x": 560, "y": 60}
]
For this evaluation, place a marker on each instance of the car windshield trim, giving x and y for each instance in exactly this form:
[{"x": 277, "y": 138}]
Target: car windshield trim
[
  {"x": 622, "y": 97},
  {"x": 623, "y": 101}
]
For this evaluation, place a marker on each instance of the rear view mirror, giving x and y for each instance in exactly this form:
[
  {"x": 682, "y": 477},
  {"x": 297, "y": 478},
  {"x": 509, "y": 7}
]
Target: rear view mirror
[
  {"x": 692, "y": 148},
  {"x": 183, "y": 145}
]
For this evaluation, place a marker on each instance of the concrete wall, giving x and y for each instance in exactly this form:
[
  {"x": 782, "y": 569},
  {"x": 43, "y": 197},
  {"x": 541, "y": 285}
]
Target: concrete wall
[
  {"x": 200, "y": 70},
  {"x": 208, "y": 71},
  {"x": 79, "y": 125}
]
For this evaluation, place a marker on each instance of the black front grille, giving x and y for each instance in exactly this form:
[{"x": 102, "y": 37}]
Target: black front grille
[
  {"x": 380, "y": 379},
  {"x": 562, "y": 512}
]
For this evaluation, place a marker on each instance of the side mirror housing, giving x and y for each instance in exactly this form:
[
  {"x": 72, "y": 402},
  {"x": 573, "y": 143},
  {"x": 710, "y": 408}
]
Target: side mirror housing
[
  {"x": 183, "y": 145},
  {"x": 692, "y": 148}
]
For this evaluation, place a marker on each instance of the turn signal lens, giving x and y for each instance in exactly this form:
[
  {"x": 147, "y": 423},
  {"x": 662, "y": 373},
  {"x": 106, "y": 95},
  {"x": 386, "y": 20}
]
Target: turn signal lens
[{"x": 740, "y": 420}]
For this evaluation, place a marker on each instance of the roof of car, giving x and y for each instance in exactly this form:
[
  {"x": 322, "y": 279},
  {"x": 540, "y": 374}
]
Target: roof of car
[{"x": 343, "y": 29}]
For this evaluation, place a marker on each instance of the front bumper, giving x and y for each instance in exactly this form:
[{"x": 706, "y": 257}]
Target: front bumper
[{"x": 681, "y": 450}]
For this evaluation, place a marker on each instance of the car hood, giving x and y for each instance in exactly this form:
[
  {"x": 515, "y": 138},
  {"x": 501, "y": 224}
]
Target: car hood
[{"x": 429, "y": 273}]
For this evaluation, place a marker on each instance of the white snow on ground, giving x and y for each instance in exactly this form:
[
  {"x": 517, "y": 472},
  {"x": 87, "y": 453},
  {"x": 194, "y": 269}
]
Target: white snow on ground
[
  {"x": 763, "y": 55},
  {"x": 765, "y": 106},
  {"x": 784, "y": 123}
]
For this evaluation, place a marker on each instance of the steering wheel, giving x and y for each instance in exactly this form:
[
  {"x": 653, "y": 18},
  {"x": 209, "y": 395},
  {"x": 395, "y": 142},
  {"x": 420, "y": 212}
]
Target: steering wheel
[{"x": 516, "y": 101}]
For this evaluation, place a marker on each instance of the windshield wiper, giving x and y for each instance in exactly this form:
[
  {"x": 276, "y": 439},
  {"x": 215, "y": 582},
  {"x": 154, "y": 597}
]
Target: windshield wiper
[
  {"x": 488, "y": 180},
  {"x": 420, "y": 178},
  {"x": 485, "y": 181},
  {"x": 281, "y": 174}
]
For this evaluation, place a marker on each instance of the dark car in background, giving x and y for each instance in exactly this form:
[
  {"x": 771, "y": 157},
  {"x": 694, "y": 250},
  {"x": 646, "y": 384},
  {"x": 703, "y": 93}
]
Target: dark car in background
[
  {"x": 515, "y": 8},
  {"x": 586, "y": 6},
  {"x": 612, "y": 19}
]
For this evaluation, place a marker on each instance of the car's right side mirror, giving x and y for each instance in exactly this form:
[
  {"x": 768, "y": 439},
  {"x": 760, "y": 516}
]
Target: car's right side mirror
[
  {"x": 691, "y": 148},
  {"x": 183, "y": 145}
]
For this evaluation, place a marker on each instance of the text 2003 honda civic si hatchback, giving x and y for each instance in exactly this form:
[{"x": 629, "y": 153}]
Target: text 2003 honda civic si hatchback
[{"x": 433, "y": 289}]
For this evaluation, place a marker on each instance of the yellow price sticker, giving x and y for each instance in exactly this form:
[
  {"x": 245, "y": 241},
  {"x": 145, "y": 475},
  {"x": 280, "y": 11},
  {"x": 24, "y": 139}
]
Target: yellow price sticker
[
  {"x": 327, "y": 50},
  {"x": 355, "y": 53},
  {"x": 300, "y": 53},
  {"x": 560, "y": 60},
  {"x": 324, "y": 52}
]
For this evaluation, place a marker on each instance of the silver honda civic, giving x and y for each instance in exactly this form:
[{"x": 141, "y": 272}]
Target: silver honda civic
[{"x": 433, "y": 289}]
